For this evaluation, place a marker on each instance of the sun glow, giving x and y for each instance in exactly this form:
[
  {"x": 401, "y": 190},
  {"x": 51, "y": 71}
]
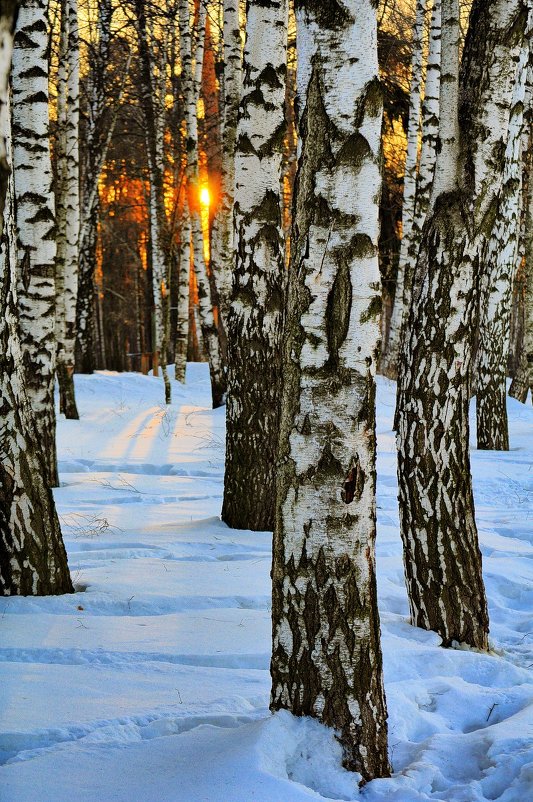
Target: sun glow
[{"x": 205, "y": 197}]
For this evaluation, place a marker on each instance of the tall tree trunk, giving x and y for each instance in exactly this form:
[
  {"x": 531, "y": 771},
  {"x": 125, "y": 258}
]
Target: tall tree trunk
[
  {"x": 190, "y": 83},
  {"x": 35, "y": 220},
  {"x": 498, "y": 281},
  {"x": 254, "y": 333},
  {"x": 97, "y": 138},
  {"x": 153, "y": 92},
  {"x": 222, "y": 248},
  {"x": 326, "y": 658},
  {"x": 8, "y": 15},
  {"x": 182, "y": 332},
  {"x": 523, "y": 381},
  {"x": 441, "y": 551},
  {"x": 389, "y": 362},
  {"x": 32, "y": 556},
  {"x": 68, "y": 212}
]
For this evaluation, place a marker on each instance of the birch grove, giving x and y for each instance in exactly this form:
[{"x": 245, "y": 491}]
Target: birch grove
[
  {"x": 326, "y": 659},
  {"x": 446, "y": 593}
]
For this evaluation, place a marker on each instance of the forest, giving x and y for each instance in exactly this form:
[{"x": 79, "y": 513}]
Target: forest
[{"x": 266, "y": 385}]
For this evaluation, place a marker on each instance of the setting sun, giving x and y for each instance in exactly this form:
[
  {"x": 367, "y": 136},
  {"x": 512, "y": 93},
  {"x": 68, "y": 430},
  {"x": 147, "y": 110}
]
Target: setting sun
[{"x": 205, "y": 198}]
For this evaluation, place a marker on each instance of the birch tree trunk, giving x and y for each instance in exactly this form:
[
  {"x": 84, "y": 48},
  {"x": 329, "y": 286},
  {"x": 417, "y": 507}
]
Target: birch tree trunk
[
  {"x": 428, "y": 152},
  {"x": 97, "y": 137},
  {"x": 326, "y": 658},
  {"x": 254, "y": 333},
  {"x": 153, "y": 99},
  {"x": 32, "y": 556},
  {"x": 35, "y": 220},
  {"x": 8, "y": 15},
  {"x": 222, "y": 249},
  {"x": 441, "y": 551},
  {"x": 190, "y": 82},
  {"x": 68, "y": 206},
  {"x": 523, "y": 381},
  {"x": 182, "y": 332},
  {"x": 389, "y": 362},
  {"x": 498, "y": 281}
]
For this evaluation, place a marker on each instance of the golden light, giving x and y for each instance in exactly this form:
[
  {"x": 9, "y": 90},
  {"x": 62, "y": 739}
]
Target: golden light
[{"x": 205, "y": 198}]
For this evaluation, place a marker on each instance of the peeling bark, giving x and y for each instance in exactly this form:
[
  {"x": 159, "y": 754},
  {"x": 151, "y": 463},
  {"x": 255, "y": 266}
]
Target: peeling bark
[{"x": 326, "y": 658}]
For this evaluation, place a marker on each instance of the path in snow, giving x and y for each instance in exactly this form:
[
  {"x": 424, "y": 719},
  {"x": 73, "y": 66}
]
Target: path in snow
[{"x": 151, "y": 684}]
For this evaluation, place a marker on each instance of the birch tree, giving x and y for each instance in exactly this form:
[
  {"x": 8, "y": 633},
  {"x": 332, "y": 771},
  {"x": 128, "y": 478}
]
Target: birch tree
[
  {"x": 254, "y": 332},
  {"x": 8, "y": 14},
  {"x": 326, "y": 658},
  {"x": 182, "y": 329},
  {"x": 222, "y": 250},
  {"x": 153, "y": 93},
  {"x": 191, "y": 80},
  {"x": 390, "y": 359},
  {"x": 522, "y": 383},
  {"x": 98, "y": 131},
  {"x": 32, "y": 556},
  {"x": 68, "y": 205},
  {"x": 35, "y": 220},
  {"x": 498, "y": 281},
  {"x": 441, "y": 551}
]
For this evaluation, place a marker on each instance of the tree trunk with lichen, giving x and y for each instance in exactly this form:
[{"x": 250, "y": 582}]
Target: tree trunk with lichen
[
  {"x": 254, "y": 331},
  {"x": 441, "y": 551},
  {"x": 35, "y": 220},
  {"x": 32, "y": 556},
  {"x": 326, "y": 658}
]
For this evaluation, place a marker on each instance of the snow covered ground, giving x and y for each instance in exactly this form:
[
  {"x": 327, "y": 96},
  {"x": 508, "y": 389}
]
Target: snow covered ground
[{"x": 151, "y": 683}]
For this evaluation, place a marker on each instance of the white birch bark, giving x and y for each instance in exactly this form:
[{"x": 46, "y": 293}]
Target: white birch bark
[
  {"x": 32, "y": 556},
  {"x": 441, "y": 551},
  {"x": 390, "y": 358},
  {"x": 255, "y": 319},
  {"x": 35, "y": 219},
  {"x": 8, "y": 14},
  {"x": 498, "y": 281},
  {"x": 68, "y": 205},
  {"x": 97, "y": 138},
  {"x": 326, "y": 658},
  {"x": 182, "y": 331},
  {"x": 222, "y": 249},
  {"x": 191, "y": 79},
  {"x": 153, "y": 102}
]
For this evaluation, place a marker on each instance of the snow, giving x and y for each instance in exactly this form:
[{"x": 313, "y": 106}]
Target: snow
[{"x": 151, "y": 683}]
